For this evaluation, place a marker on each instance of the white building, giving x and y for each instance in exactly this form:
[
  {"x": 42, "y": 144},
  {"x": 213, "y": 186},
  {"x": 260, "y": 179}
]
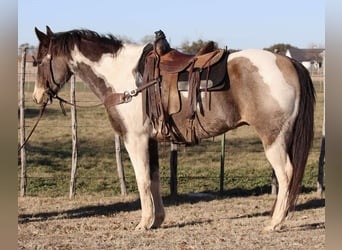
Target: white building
[{"x": 312, "y": 59}]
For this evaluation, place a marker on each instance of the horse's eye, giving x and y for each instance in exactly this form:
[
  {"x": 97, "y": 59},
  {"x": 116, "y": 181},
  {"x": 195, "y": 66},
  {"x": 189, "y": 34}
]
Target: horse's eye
[{"x": 37, "y": 63}]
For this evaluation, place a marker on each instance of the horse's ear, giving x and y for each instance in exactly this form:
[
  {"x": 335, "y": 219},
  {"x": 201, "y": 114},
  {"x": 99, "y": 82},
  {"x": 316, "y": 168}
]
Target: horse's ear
[
  {"x": 44, "y": 39},
  {"x": 49, "y": 31}
]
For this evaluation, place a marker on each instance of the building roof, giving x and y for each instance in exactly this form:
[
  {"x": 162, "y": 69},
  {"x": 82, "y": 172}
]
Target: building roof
[{"x": 306, "y": 55}]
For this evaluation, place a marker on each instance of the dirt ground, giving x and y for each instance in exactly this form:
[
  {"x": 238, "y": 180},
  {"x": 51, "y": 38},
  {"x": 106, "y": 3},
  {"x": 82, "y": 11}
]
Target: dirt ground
[{"x": 192, "y": 222}]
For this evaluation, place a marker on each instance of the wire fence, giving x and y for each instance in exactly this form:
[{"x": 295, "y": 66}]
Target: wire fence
[{"x": 49, "y": 152}]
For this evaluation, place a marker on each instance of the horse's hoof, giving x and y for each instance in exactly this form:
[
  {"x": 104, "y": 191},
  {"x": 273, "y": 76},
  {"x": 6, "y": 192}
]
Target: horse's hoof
[
  {"x": 268, "y": 229},
  {"x": 272, "y": 228},
  {"x": 144, "y": 224},
  {"x": 158, "y": 221},
  {"x": 140, "y": 227}
]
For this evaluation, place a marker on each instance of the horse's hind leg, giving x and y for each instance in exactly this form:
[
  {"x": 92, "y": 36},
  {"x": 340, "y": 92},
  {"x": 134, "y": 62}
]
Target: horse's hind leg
[{"x": 280, "y": 161}]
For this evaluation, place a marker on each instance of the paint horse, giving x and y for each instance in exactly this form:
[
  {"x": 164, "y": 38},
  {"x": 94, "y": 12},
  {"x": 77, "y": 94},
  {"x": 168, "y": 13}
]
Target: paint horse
[{"x": 270, "y": 92}]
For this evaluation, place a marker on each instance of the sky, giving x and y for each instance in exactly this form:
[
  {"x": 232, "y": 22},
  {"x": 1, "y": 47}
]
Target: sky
[{"x": 238, "y": 24}]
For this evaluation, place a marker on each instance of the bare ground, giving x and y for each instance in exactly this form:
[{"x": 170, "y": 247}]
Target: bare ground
[{"x": 192, "y": 222}]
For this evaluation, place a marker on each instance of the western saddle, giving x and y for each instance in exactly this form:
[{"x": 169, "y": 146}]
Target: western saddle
[{"x": 175, "y": 72}]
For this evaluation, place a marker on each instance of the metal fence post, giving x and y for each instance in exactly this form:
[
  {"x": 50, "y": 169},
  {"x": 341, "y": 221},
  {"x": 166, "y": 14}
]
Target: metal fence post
[
  {"x": 322, "y": 153},
  {"x": 223, "y": 146},
  {"x": 173, "y": 169}
]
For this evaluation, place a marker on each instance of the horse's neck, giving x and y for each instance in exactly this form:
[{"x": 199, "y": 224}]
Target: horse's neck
[{"x": 110, "y": 73}]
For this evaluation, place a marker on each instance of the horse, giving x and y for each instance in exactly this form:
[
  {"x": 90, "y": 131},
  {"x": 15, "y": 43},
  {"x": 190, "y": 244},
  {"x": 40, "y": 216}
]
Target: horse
[{"x": 271, "y": 92}]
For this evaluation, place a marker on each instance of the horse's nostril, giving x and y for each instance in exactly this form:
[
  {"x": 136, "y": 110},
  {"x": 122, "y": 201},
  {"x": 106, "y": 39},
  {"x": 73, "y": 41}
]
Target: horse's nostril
[{"x": 36, "y": 100}]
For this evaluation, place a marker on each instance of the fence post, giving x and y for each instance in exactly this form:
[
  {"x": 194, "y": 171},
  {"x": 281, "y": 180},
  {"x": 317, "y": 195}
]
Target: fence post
[
  {"x": 322, "y": 153},
  {"x": 223, "y": 146},
  {"x": 119, "y": 165},
  {"x": 274, "y": 184},
  {"x": 23, "y": 181},
  {"x": 173, "y": 169},
  {"x": 72, "y": 189},
  {"x": 320, "y": 168}
]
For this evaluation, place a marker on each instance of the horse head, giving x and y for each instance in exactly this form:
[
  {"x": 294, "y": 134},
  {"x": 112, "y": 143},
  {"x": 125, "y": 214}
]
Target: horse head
[{"x": 53, "y": 70}]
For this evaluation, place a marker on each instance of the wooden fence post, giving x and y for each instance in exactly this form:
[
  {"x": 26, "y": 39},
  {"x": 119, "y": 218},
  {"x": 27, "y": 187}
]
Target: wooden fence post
[
  {"x": 72, "y": 189},
  {"x": 119, "y": 165},
  {"x": 23, "y": 181},
  {"x": 173, "y": 169},
  {"x": 274, "y": 184}
]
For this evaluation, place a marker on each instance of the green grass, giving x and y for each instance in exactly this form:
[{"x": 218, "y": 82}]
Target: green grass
[{"x": 49, "y": 155}]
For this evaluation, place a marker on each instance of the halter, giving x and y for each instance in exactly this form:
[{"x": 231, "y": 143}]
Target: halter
[{"x": 49, "y": 76}]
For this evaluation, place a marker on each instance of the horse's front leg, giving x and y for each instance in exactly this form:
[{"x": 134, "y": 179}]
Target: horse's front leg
[{"x": 140, "y": 148}]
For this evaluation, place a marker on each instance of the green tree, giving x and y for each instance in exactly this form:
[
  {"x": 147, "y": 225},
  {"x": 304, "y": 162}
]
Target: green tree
[
  {"x": 147, "y": 39},
  {"x": 280, "y": 48},
  {"x": 195, "y": 46}
]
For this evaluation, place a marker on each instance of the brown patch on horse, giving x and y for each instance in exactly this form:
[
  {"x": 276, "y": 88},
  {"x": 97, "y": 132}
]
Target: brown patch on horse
[
  {"x": 98, "y": 85},
  {"x": 154, "y": 157},
  {"x": 116, "y": 121},
  {"x": 249, "y": 92},
  {"x": 100, "y": 89},
  {"x": 288, "y": 71}
]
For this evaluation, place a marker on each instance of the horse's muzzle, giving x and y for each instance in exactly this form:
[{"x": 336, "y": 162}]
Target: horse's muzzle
[{"x": 42, "y": 99}]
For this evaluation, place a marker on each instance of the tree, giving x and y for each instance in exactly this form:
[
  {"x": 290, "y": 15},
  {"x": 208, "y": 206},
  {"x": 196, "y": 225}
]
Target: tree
[
  {"x": 195, "y": 46},
  {"x": 280, "y": 48},
  {"x": 126, "y": 39},
  {"x": 147, "y": 39}
]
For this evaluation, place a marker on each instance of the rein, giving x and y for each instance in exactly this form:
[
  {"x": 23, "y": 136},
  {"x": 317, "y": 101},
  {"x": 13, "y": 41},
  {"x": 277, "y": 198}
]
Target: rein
[
  {"x": 41, "y": 112},
  {"x": 118, "y": 98},
  {"x": 114, "y": 99}
]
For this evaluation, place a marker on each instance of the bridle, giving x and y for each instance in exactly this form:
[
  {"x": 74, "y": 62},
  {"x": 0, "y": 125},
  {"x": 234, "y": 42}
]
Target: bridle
[{"x": 50, "y": 78}]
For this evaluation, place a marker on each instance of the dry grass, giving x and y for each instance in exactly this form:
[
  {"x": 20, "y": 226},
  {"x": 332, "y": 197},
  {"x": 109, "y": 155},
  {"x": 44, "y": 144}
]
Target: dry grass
[{"x": 193, "y": 222}]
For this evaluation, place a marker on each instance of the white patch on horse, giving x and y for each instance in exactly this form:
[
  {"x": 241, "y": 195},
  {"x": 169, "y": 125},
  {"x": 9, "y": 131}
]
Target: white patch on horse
[
  {"x": 265, "y": 61},
  {"x": 114, "y": 70}
]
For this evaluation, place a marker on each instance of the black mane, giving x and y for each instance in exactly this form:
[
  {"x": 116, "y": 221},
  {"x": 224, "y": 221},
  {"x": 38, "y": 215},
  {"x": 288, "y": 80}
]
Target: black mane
[{"x": 90, "y": 43}]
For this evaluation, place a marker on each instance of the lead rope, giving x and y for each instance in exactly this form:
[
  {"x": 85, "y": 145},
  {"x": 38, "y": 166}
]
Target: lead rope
[
  {"x": 41, "y": 112},
  {"x": 127, "y": 94}
]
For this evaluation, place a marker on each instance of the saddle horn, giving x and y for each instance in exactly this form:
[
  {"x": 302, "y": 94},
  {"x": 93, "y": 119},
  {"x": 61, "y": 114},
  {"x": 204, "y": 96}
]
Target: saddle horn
[{"x": 161, "y": 45}]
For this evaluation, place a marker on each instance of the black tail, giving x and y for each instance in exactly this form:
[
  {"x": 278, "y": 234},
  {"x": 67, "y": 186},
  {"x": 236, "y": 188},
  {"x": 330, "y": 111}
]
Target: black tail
[{"x": 303, "y": 132}]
